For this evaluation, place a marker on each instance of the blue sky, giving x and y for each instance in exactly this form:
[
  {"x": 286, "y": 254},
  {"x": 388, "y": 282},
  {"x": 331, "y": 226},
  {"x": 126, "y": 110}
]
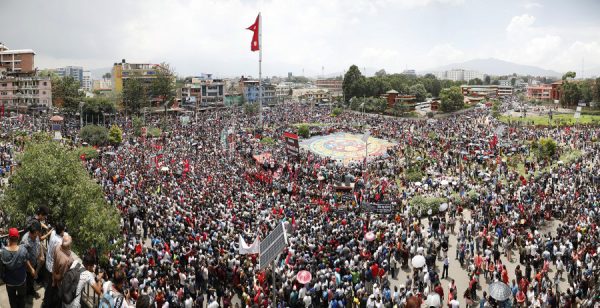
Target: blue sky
[{"x": 210, "y": 36}]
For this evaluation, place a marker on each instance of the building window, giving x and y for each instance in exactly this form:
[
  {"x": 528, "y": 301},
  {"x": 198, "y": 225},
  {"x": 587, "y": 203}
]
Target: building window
[{"x": 45, "y": 83}]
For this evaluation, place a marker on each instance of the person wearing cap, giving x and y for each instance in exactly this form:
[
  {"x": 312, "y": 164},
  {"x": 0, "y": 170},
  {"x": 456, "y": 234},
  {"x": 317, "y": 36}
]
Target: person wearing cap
[{"x": 14, "y": 258}]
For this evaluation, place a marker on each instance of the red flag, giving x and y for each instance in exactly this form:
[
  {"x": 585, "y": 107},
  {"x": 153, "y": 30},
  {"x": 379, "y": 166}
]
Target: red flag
[
  {"x": 254, "y": 45},
  {"x": 2, "y": 111}
]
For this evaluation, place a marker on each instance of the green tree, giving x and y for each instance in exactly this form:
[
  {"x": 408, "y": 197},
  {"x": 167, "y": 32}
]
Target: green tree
[
  {"x": 136, "y": 123},
  {"x": 353, "y": 83},
  {"x": 380, "y": 73},
  {"x": 419, "y": 91},
  {"x": 570, "y": 94},
  {"x": 487, "y": 79},
  {"x": 304, "y": 130},
  {"x": 596, "y": 90},
  {"x": 546, "y": 148},
  {"x": 96, "y": 108},
  {"x": 162, "y": 87},
  {"x": 94, "y": 135},
  {"x": 569, "y": 74},
  {"x": 496, "y": 82},
  {"x": 475, "y": 81},
  {"x": 115, "y": 135},
  {"x": 586, "y": 88},
  {"x": 51, "y": 174},
  {"x": 436, "y": 87},
  {"x": 66, "y": 93},
  {"x": 513, "y": 81},
  {"x": 451, "y": 99},
  {"x": 135, "y": 96},
  {"x": 251, "y": 109},
  {"x": 106, "y": 76}
]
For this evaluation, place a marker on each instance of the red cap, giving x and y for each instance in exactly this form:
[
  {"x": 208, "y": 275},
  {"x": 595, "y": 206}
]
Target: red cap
[{"x": 13, "y": 232}]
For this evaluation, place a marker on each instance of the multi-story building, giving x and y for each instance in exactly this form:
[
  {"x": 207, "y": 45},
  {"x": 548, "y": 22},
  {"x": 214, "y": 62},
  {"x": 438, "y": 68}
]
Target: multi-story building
[
  {"x": 16, "y": 60},
  {"x": 71, "y": 71},
  {"x": 204, "y": 90},
  {"x": 251, "y": 92},
  {"x": 86, "y": 81},
  {"x": 504, "y": 82},
  {"x": 544, "y": 92},
  {"x": 102, "y": 85},
  {"x": 283, "y": 91},
  {"x": 486, "y": 90},
  {"x": 333, "y": 86},
  {"x": 409, "y": 72},
  {"x": 459, "y": 75},
  {"x": 123, "y": 71},
  {"x": 311, "y": 95},
  {"x": 25, "y": 92}
]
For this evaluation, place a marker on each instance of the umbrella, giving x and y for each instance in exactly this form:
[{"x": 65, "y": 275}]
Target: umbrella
[
  {"x": 418, "y": 183},
  {"x": 444, "y": 182},
  {"x": 560, "y": 162},
  {"x": 370, "y": 236},
  {"x": 303, "y": 277},
  {"x": 433, "y": 300},
  {"x": 418, "y": 261},
  {"x": 164, "y": 169},
  {"x": 443, "y": 206},
  {"x": 499, "y": 291}
]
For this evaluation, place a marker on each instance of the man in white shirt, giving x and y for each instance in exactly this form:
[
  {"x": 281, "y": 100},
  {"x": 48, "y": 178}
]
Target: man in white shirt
[
  {"x": 87, "y": 277},
  {"x": 56, "y": 238}
]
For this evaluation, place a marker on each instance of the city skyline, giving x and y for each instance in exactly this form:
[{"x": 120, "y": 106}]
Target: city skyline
[{"x": 314, "y": 37}]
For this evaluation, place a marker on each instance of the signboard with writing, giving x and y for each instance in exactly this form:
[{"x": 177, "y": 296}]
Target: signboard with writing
[
  {"x": 292, "y": 146},
  {"x": 384, "y": 207}
]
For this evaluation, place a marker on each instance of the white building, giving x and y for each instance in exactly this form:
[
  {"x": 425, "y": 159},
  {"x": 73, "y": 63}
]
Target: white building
[
  {"x": 459, "y": 75},
  {"x": 86, "y": 81}
]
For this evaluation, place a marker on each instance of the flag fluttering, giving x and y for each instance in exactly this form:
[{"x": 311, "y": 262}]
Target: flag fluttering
[{"x": 255, "y": 44}]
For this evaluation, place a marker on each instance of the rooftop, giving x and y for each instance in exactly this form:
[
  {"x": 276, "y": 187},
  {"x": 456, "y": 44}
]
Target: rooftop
[{"x": 16, "y": 51}]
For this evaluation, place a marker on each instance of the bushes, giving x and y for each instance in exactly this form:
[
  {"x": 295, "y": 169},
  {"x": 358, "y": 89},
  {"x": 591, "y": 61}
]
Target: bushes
[
  {"x": 115, "y": 135},
  {"x": 94, "y": 135},
  {"x": 267, "y": 141},
  {"x": 545, "y": 148},
  {"x": 414, "y": 175},
  {"x": 336, "y": 112},
  {"x": 303, "y": 131},
  {"x": 154, "y": 132},
  {"x": 425, "y": 204},
  {"x": 89, "y": 152}
]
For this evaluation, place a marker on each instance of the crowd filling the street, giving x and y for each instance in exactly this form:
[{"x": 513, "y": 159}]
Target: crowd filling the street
[{"x": 458, "y": 212}]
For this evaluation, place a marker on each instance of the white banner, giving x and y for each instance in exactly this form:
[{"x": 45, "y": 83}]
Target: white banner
[{"x": 248, "y": 250}]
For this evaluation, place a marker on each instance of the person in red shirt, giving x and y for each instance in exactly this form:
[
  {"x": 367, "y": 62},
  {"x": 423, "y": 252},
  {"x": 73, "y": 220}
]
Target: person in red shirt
[
  {"x": 504, "y": 274},
  {"x": 439, "y": 290}
]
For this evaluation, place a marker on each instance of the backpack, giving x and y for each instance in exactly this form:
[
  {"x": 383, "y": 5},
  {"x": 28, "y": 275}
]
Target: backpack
[
  {"x": 107, "y": 301},
  {"x": 67, "y": 291}
]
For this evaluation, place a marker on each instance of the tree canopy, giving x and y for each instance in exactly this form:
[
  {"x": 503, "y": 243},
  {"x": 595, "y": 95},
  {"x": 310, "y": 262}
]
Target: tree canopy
[
  {"x": 451, "y": 99},
  {"x": 162, "y": 87},
  {"x": 66, "y": 93},
  {"x": 51, "y": 174},
  {"x": 135, "y": 96}
]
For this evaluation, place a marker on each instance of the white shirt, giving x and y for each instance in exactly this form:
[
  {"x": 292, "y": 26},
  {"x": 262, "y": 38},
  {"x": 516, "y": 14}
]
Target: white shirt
[
  {"x": 85, "y": 278},
  {"x": 55, "y": 240}
]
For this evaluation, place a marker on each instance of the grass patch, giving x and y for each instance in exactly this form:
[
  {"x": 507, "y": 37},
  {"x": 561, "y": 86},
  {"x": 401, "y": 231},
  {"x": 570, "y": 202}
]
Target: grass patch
[
  {"x": 557, "y": 120},
  {"x": 314, "y": 124},
  {"x": 267, "y": 141}
]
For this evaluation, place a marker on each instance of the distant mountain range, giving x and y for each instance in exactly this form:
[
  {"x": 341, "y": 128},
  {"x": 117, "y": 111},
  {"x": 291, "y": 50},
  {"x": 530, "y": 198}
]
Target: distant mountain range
[{"x": 497, "y": 67}]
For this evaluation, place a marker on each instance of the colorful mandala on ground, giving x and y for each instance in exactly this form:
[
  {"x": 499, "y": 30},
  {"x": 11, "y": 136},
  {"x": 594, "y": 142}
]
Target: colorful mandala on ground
[{"x": 345, "y": 147}]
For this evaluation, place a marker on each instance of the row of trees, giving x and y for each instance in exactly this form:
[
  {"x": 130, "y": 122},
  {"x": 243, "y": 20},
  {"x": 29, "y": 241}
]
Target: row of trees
[
  {"x": 138, "y": 94},
  {"x": 355, "y": 84},
  {"x": 573, "y": 91}
]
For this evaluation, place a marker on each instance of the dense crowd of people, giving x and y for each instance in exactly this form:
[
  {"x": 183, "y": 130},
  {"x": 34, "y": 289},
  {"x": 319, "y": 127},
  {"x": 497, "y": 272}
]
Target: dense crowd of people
[{"x": 188, "y": 196}]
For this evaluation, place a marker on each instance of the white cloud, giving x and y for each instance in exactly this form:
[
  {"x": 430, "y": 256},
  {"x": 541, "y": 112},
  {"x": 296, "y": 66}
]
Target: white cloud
[
  {"x": 569, "y": 59},
  {"x": 520, "y": 26},
  {"x": 532, "y": 5}
]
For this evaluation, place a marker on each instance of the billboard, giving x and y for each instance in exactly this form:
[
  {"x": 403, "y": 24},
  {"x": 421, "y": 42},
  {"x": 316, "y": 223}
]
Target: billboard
[{"x": 292, "y": 146}]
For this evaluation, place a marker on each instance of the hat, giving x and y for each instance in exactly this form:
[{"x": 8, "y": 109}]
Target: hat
[{"x": 13, "y": 232}]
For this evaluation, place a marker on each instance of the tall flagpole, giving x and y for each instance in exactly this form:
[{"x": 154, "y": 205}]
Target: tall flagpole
[{"x": 260, "y": 48}]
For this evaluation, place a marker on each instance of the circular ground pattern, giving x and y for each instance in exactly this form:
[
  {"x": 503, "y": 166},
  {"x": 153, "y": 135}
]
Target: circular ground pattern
[{"x": 345, "y": 147}]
